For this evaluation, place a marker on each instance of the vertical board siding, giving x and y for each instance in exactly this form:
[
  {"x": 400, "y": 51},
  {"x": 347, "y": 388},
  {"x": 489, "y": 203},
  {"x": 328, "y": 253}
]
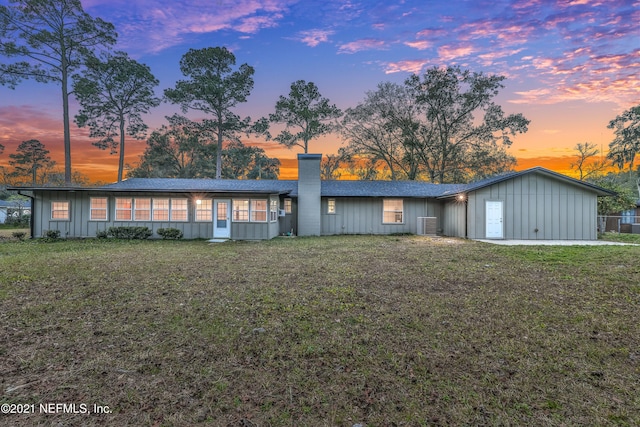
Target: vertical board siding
[
  {"x": 363, "y": 215},
  {"x": 558, "y": 210},
  {"x": 80, "y": 225},
  {"x": 454, "y": 219}
]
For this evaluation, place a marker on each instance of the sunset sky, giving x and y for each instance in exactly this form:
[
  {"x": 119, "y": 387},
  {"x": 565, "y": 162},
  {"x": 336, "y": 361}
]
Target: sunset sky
[{"x": 571, "y": 65}]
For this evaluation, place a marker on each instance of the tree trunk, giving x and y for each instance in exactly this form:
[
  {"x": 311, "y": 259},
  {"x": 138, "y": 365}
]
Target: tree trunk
[
  {"x": 219, "y": 150},
  {"x": 121, "y": 161},
  {"x": 65, "y": 120}
]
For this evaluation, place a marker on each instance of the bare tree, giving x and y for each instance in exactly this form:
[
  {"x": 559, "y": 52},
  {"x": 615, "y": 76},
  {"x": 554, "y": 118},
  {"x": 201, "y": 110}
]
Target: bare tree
[{"x": 587, "y": 165}]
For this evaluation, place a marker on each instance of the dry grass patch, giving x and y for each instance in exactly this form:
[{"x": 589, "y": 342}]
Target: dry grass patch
[{"x": 321, "y": 331}]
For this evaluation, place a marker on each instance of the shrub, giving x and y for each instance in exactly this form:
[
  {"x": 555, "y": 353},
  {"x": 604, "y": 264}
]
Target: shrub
[
  {"x": 18, "y": 221},
  {"x": 130, "y": 233},
  {"x": 51, "y": 235},
  {"x": 102, "y": 234},
  {"x": 170, "y": 233},
  {"x": 20, "y": 235}
]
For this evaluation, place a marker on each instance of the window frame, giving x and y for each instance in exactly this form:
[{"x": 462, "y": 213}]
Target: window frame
[
  {"x": 136, "y": 200},
  {"x": 157, "y": 209},
  {"x": 93, "y": 209},
  {"x": 236, "y": 211},
  {"x": 182, "y": 213},
  {"x": 253, "y": 211},
  {"x": 287, "y": 205},
  {"x": 331, "y": 206},
  {"x": 59, "y": 209},
  {"x": 200, "y": 210},
  {"x": 274, "y": 207},
  {"x": 394, "y": 211},
  {"x": 119, "y": 209}
]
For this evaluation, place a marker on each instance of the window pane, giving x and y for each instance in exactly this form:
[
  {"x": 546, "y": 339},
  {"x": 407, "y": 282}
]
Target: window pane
[
  {"x": 259, "y": 210},
  {"x": 392, "y": 211},
  {"x": 160, "y": 209},
  {"x": 98, "y": 209},
  {"x": 274, "y": 210},
  {"x": 60, "y": 210},
  {"x": 203, "y": 210},
  {"x": 179, "y": 210},
  {"x": 123, "y": 209},
  {"x": 287, "y": 206},
  {"x": 142, "y": 210},
  {"x": 241, "y": 210},
  {"x": 331, "y": 206}
]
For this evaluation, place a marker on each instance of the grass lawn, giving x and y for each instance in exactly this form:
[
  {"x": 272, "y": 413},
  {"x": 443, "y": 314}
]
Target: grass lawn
[{"x": 335, "y": 331}]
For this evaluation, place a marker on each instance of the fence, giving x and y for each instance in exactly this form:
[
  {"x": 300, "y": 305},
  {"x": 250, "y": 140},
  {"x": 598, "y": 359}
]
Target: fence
[{"x": 619, "y": 224}]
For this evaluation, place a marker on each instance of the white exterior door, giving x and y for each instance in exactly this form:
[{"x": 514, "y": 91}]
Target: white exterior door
[
  {"x": 494, "y": 228},
  {"x": 221, "y": 219}
]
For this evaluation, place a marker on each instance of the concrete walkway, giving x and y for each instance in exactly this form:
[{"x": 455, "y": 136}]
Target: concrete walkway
[{"x": 555, "y": 242}]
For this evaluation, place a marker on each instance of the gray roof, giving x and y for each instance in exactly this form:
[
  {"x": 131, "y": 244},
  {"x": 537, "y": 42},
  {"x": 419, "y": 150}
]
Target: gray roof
[
  {"x": 473, "y": 186},
  {"x": 384, "y": 189},
  {"x": 208, "y": 185},
  {"x": 407, "y": 189},
  {"x": 26, "y": 204}
]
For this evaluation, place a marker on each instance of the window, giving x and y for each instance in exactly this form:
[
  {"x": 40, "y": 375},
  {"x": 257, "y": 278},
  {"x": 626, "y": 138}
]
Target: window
[
  {"x": 142, "y": 209},
  {"x": 287, "y": 206},
  {"x": 241, "y": 210},
  {"x": 204, "y": 210},
  {"x": 98, "y": 209},
  {"x": 628, "y": 217},
  {"x": 179, "y": 210},
  {"x": 392, "y": 211},
  {"x": 274, "y": 210},
  {"x": 259, "y": 211},
  {"x": 331, "y": 206},
  {"x": 60, "y": 211},
  {"x": 161, "y": 209},
  {"x": 123, "y": 209}
]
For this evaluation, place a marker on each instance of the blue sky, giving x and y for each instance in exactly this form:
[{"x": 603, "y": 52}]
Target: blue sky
[{"x": 571, "y": 65}]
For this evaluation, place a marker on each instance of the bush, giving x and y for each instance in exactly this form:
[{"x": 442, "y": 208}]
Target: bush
[
  {"x": 170, "y": 233},
  {"x": 51, "y": 235},
  {"x": 130, "y": 233},
  {"x": 18, "y": 221},
  {"x": 20, "y": 235},
  {"x": 102, "y": 234}
]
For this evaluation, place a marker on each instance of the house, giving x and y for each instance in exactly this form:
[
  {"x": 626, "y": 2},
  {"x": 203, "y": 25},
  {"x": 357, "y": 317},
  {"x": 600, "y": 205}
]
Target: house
[
  {"x": 624, "y": 222},
  {"x": 13, "y": 208},
  {"x": 532, "y": 204}
]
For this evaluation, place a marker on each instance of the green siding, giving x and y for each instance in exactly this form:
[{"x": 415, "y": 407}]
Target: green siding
[
  {"x": 80, "y": 225},
  {"x": 557, "y": 210},
  {"x": 363, "y": 215}
]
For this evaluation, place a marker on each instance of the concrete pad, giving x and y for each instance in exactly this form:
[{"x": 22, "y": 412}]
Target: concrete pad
[{"x": 555, "y": 242}]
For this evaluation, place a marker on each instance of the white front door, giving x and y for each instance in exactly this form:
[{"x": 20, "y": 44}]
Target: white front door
[
  {"x": 221, "y": 219},
  {"x": 494, "y": 220}
]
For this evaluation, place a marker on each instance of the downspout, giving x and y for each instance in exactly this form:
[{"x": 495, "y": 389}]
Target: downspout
[{"x": 33, "y": 204}]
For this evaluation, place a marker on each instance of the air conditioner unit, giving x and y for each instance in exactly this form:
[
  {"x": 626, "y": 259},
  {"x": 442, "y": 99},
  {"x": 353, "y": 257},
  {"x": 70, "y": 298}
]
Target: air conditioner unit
[
  {"x": 282, "y": 212},
  {"x": 427, "y": 226}
]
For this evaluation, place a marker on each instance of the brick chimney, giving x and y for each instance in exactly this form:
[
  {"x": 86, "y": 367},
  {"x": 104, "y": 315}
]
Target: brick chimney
[{"x": 309, "y": 194}]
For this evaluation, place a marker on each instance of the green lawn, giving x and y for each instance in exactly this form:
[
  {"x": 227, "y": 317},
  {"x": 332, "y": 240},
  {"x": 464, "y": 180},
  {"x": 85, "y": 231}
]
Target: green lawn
[{"x": 334, "y": 331}]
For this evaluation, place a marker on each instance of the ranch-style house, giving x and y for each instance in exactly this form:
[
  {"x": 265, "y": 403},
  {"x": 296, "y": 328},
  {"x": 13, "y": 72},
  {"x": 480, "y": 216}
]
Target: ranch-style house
[{"x": 532, "y": 204}]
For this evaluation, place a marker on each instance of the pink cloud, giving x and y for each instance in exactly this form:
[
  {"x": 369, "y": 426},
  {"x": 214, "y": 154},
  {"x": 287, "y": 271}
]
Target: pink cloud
[
  {"x": 419, "y": 44},
  {"x": 313, "y": 38},
  {"x": 167, "y": 23},
  {"x": 362, "y": 44},
  {"x": 448, "y": 53},
  {"x": 491, "y": 57},
  {"x": 408, "y": 66}
]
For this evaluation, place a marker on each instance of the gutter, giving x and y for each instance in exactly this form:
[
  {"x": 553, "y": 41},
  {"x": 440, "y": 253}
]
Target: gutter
[{"x": 33, "y": 204}]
